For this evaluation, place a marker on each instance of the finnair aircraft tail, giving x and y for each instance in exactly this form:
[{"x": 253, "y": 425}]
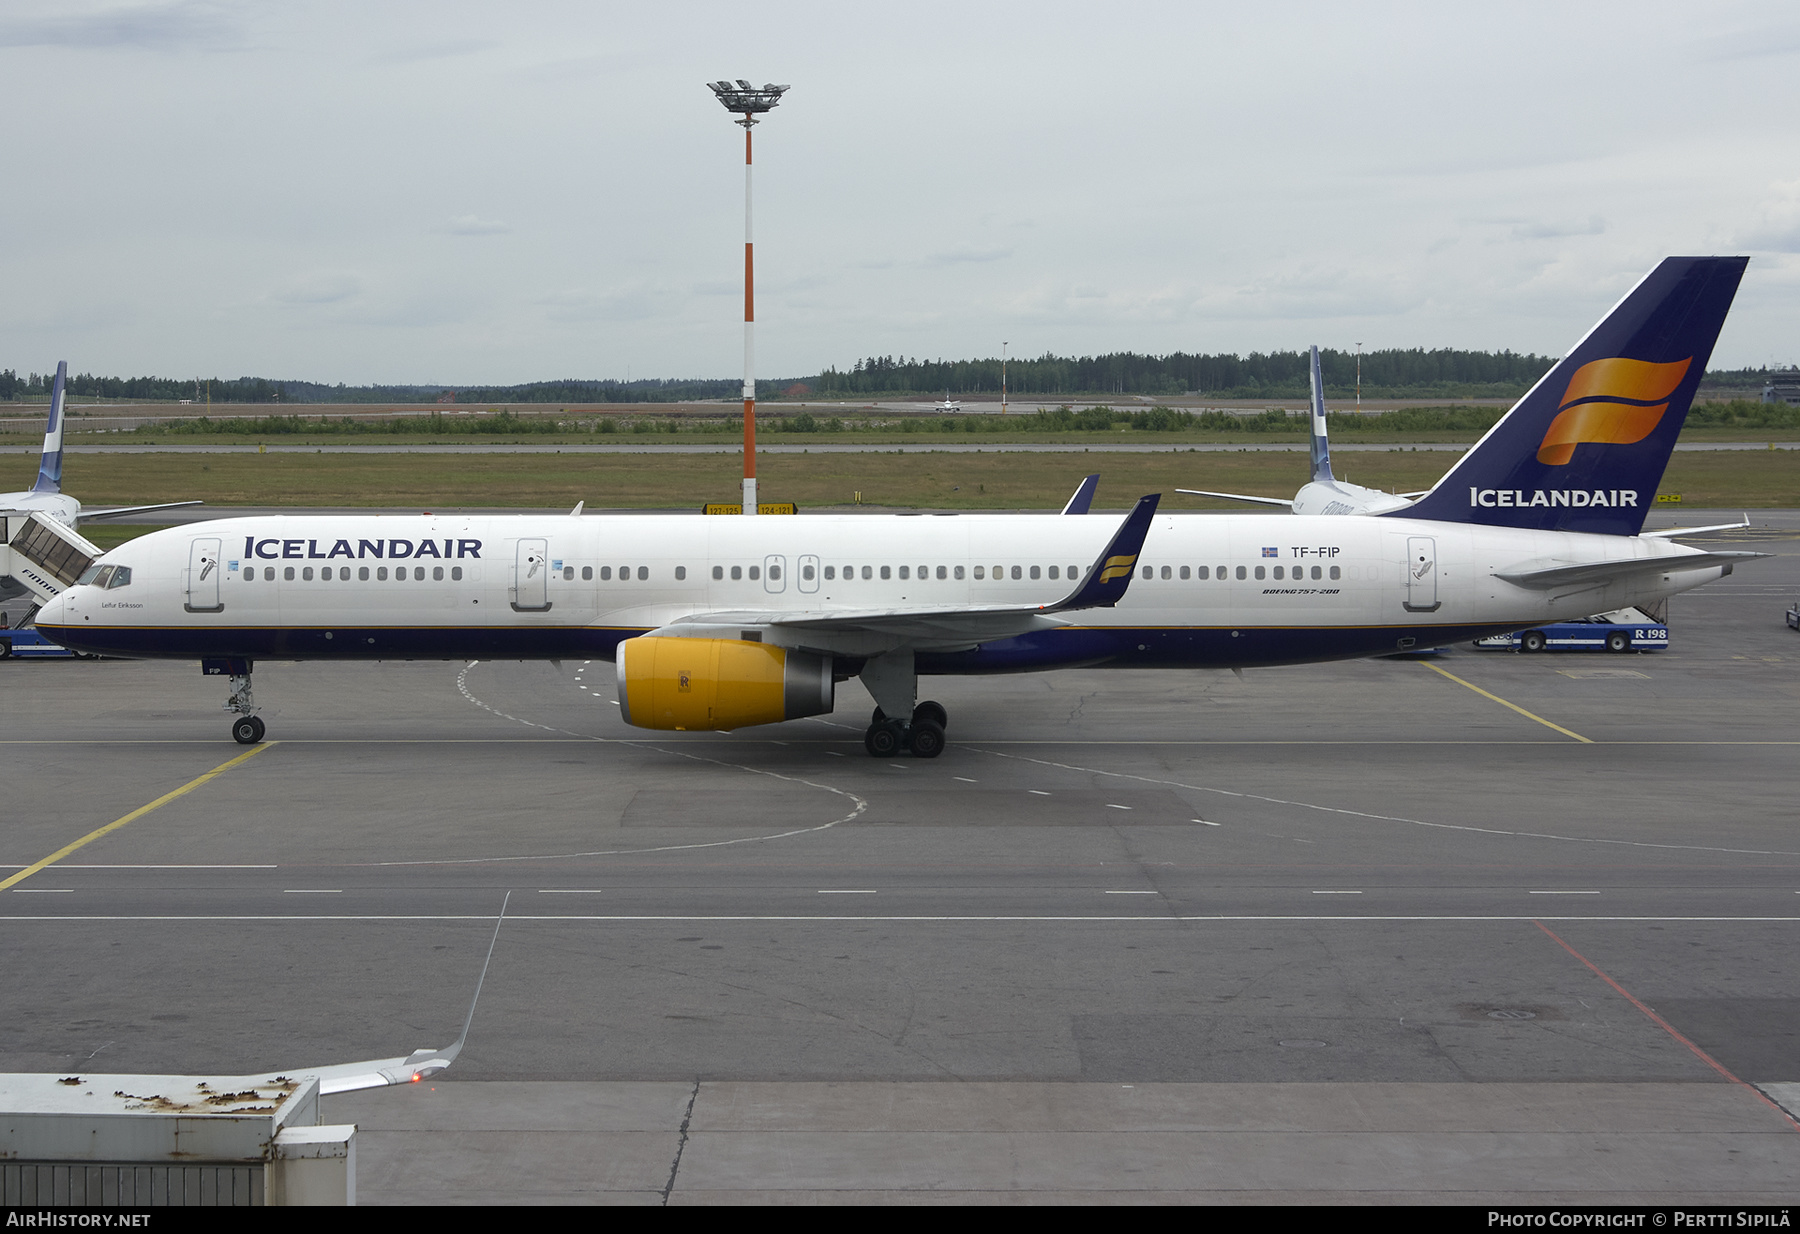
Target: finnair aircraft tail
[
  {"x": 1324, "y": 493},
  {"x": 1585, "y": 449},
  {"x": 49, "y": 477}
]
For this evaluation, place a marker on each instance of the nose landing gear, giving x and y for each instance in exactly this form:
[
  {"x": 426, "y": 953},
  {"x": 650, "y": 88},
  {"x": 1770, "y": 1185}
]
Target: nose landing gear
[{"x": 248, "y": 728}]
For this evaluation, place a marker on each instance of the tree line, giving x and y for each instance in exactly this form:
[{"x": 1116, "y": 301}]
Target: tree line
[{"x": 1390, "y": 373}]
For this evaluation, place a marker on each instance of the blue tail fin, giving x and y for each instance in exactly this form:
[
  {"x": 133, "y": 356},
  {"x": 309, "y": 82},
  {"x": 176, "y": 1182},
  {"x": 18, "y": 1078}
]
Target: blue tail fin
[
  {"x": 1586, "y": 448},
  {"x": 49, "y": 477},
  {"x": 1321, "y": 448}
]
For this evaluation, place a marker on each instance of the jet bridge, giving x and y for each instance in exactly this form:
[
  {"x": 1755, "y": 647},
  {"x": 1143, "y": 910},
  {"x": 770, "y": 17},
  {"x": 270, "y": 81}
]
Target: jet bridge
[{"x": 41, "y": 554}]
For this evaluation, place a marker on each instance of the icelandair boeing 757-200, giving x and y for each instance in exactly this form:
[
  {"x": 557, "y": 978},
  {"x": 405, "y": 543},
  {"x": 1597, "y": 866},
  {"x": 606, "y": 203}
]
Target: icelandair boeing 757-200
[{"x": 719, "y": 623}]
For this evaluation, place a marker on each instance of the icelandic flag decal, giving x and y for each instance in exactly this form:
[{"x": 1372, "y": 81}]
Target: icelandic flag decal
[{"x": 1269, "y": 552}]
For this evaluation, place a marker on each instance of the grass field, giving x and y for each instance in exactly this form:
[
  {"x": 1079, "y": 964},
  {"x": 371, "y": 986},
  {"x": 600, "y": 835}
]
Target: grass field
[{"x": 940, "y": 481}]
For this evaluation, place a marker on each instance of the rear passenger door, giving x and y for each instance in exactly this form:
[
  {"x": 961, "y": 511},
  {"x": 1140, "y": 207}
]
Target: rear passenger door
[{"x": 531, "y": 577}]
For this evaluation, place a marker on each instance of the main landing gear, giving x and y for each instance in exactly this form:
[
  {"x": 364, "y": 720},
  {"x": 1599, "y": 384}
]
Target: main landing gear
[
  {"x": 248, "y": 728},
  {"x": 893, "y": 681},
  {"x": 924, "y": 736}
]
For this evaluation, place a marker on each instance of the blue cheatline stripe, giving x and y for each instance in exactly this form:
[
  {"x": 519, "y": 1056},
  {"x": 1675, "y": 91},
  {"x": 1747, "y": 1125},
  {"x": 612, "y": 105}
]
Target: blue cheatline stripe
[{"x": 1070, "y": 646}]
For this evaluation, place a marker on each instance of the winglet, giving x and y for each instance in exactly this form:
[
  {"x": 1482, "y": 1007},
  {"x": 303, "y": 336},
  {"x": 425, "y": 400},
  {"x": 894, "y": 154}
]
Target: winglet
[
  {"x": 420, "y": 1064},
  {"x": 1106, "y": 580},
  {"x": 49, "y": 478},
  {"x": 1083, "y": 496},
  {"x": 1321, "y": 447}
]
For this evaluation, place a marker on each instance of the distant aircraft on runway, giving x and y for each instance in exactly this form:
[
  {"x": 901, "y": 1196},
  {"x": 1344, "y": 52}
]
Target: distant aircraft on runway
[
  {"x": 1324, "y": 493},
  {"x": 45, "y": 499},
  {"x": 720, "y": 623},
  {"x": 948, "y": 404}
]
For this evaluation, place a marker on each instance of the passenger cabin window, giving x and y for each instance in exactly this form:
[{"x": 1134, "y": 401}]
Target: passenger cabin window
[
  {"x": 886, "y": 572},
  {"x": 980, "y": 571},
  {"x": 287, "y": 574},
  {"x": 868, "y": 572},
  {"x": 718, "y": 572},
  {"x": 755, "y": 573},
  {"x": 1015, "y": 571},
  {"x": 1035, "y": 572},
  {"x": 1200, "y": 572},
  {"x": 680, "y": 573},
  {"x": 959, "y": 571},
  {"x": 1165, "y": 572},
  {"x": 587, "y": 573},
  {"x": 1259, "y": 572},
  {"x": 437, "y": 574},
  {"x": 737, "y": 572},
  {"x": 568, "y": 574},
  {"x": 1334, "y": 572},
  {"x": 1240, "y": 572},
  {"x": 456, "y": 573}
]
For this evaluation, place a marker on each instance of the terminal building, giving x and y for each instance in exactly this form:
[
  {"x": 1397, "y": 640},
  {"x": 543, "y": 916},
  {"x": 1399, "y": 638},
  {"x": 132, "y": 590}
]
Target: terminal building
[{"x": 1782, "y": 386}]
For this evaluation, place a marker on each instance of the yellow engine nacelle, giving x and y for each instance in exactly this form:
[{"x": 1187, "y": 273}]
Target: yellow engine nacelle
[{"x": 715, "y": 683}]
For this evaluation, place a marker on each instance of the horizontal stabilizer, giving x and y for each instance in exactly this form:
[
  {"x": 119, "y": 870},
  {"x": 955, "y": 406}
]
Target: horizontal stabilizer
[
  {"x": 1670, "y": 533},
  {"x": 1284, "y": 502},
  {"x": 1546, "y": 574}
]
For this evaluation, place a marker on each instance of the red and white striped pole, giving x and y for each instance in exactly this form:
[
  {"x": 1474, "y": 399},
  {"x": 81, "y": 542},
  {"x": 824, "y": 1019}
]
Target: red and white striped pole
[
  {"x": 749, "y": 335},
  {"x": 749, "y": 101}
]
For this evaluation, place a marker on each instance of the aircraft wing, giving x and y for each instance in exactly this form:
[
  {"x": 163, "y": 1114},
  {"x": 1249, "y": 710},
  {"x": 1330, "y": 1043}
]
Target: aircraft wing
[
  {"x": 1547, "y": 573},
  {"x": 1261, "y": 501},
  {"x": 89, "y": 515},
  {"x": 420, "y": 1064},
  {"x": 1102, "y": 586}
]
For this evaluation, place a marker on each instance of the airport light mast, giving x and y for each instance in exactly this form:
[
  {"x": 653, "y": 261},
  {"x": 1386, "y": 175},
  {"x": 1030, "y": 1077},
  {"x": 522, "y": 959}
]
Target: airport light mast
[
  {"x": 1003, "y": 347},
  {"x": 750, "y": 102}
]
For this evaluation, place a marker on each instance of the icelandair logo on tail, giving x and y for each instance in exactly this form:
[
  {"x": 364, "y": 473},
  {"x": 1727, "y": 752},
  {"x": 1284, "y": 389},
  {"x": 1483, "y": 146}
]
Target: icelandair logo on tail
[
  {"x": 1613, "y": 402},
  {"x": 1117, "y": 567}
]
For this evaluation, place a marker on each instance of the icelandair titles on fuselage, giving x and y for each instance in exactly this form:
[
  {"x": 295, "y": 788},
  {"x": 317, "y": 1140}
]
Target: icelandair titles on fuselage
[
  {"x": 1577, "y": 497},
  {"x": 392, "y": 550}
]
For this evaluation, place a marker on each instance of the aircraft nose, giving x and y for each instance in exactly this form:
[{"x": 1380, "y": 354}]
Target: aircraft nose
[{"x": 52, "y": 613}]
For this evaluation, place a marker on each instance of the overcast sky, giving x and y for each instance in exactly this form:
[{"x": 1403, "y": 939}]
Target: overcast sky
[{"x": 487, "y": 193}]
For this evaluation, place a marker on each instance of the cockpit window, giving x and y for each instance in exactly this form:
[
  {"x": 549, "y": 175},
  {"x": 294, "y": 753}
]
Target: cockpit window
[{"x": 105, "y": 577}]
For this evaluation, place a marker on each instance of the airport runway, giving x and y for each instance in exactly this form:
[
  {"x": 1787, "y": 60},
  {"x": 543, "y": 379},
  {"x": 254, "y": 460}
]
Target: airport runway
[{"x": 1481, "y": 927}]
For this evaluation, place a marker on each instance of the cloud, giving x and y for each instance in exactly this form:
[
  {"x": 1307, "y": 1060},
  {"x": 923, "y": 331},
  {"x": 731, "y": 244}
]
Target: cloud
[
  {"x": 472, "y": 225},
  {"x": 1540, "y": 230},
  {"x": 614, "y": 304},
  {"x": 319, "y": 288},
  {"x": 1777, "y": 226},
  {"x": 184, "y": 25},
  {"x": 965, "y": 256}
]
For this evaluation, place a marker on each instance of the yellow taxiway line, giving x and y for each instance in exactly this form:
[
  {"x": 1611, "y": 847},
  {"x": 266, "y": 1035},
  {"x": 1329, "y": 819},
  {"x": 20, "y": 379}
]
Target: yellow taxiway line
[
  {"x": 1528, "y": 715},
  {"x": 136, "y": 814}
]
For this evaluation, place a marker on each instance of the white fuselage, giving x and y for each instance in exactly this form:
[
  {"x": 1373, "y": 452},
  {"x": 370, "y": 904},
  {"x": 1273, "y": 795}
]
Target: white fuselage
[{"x": 1208, "y": 590}]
